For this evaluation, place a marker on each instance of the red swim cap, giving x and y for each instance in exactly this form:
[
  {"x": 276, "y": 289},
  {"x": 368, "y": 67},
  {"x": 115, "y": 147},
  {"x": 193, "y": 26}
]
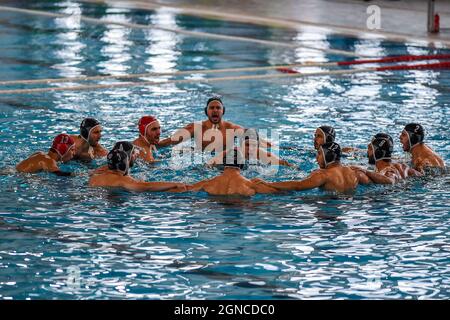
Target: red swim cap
[
  {"x": 62, "y": 144},
  {"x": 144, "y": 123}
]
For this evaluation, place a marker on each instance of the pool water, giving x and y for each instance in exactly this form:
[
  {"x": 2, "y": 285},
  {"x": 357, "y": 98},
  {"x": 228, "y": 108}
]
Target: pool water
[{"x": 60, "y": 239}]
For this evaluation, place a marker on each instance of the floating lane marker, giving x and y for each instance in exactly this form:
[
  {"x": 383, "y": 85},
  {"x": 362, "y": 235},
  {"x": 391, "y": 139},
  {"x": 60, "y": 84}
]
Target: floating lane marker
[
  {"x": 403, "y": 58},
  {"x": 280, "y": 68},
  {"x": 427, "y": 66}
]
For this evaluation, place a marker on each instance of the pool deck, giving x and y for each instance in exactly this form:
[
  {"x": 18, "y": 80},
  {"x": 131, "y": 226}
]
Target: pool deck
[{"x": 403, "y": 20}]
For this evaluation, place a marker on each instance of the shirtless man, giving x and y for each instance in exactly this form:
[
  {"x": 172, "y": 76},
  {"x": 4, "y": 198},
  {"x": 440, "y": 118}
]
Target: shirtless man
[
  {"x": 211, "y": 134},
  {"x": 87, "y": 142},
  {"x": 332, "y": 175},
  {"x": 117, "y": 175},
  {"x": 62, "y": 150},
  {"x": 231, "y": 182},
  {"x": 379, "y": 153},
  {"x": 327, "y": 134},
  {"x": 253, "y": 152},
  {"x": 130, "y": 149},
  {"x": 422, "y": 156},
  {"x": 149, "y": 133}
]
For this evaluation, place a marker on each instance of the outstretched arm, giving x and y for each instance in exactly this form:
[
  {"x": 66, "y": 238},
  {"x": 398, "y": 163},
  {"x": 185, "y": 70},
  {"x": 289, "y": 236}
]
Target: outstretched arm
[
  {"x": 351, "y": 150},
  {"x": 261, "y": 186},
  {"x": 273, "y": 159},
  {"x": 314, "y": 180},
  {"x": 179, "y": 136},
  {"x": 367, "y": 177},
  {"x": 141, "y": 186},
  {"x": 198, "y": 186},
  {"x": 379, "y": 178},
  {"x": 52, "y": 167}
]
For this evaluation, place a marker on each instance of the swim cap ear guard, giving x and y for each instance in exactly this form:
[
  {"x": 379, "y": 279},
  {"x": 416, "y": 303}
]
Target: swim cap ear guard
[
  {"x": 416, "y": 134},
  {"x": 329, "y": 133},
  {"x": 382, "y": 146},
  {"x": 215, "y": 98},
  {"x": 86, "y": 127},
  {"x": 143, "y": 124},
  {"x": 331, "y": 153},
  {"x": 128, "y": 148},
  {"x": 118, "y": 160}
]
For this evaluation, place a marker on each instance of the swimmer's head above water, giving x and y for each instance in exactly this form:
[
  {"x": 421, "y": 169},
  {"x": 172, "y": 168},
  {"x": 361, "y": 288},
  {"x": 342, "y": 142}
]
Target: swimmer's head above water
[
  {"x": 91, "y": 131},
  {"x": 380, "y": 148},
  {"x": 328, "y": 153},
  {"x": 64, "y": 146},
  {"x": 149, "y": 129},
  {"x": 214, "y": 109},
  {"x": 412, "y": 135},
  {"x": 118, "y": 161},
  {"x": 324, "y": 134},
  {"x": 129, "y": 148}
]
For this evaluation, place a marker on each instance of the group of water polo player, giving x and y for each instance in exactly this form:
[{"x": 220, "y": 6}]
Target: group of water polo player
[{"x": 214, "y": 135}]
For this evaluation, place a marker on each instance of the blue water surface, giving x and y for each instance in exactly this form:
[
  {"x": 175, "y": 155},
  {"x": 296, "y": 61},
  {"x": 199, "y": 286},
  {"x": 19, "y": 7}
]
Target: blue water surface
[{"x": 60, "y": 239}]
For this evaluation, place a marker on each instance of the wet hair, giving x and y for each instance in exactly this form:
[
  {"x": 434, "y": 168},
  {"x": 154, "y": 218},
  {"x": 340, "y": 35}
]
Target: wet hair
[
  {"x": 329, "y": 133},
  {"x": 331, "y": 152},
  {"x": 214, "y": 98},
  {"x": 416, "y": 134}
]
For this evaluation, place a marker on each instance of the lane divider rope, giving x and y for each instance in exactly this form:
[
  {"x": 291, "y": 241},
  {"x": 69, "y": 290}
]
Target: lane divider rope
[
  {"x": 427, "y": 66},
  {"x": 281, "y": 68}
]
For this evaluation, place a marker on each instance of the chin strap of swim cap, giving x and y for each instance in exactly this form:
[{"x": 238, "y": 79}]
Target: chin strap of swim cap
[
  {"x": 330, "y": 153},
  {"x": 87, "y": 125},
  {"x": 414, "y": 136},
  {"x": 325, "y": 156},
  {"x": 143, "y": 124}
]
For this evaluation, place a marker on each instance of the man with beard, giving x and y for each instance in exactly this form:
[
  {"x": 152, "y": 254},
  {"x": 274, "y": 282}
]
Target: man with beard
[
  {"x": 379, "y": 153},
  {"x": 324, "y": 134},
  {"x": 87, "y": 142},
  {"x": 332, "y": 175},
  {"x": 422, "y": 156},
  {"x": 149, "y": 133},
  {"x": 211, "y": 134}
]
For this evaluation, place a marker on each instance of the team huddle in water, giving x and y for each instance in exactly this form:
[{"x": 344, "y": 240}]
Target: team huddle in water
[{"x": 213, "y": 134}]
